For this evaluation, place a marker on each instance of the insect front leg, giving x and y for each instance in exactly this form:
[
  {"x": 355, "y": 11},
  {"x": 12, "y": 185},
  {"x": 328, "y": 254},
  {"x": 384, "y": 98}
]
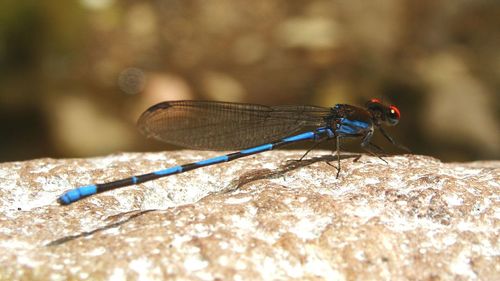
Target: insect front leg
[{"x": 390, "y": 139}]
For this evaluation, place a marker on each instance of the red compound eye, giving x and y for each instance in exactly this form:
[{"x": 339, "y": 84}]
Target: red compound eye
[
  {"x": 394, "y": 112},
  {"x": 375, "y": 101}
]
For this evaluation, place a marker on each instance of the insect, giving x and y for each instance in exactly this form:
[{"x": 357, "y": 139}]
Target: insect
[{"x": 251, "y": 129}]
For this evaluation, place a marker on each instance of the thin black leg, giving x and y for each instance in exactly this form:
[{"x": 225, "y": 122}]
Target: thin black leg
[
  {"x": 311, "y": 148},
  {"x": 338, "y": 156},
  {"x": 389, "y": 138},
  {"x": 378, "y": 148},
  {"x": 367, "y": 149}
]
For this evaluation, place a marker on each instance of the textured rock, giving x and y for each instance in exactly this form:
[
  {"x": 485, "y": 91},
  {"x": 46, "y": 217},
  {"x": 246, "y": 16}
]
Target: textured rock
[{"x": 256, "y": 218}]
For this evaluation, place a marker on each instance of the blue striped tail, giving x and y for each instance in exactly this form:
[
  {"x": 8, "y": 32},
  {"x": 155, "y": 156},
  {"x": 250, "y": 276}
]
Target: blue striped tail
[{"x": 79, "y": 193}]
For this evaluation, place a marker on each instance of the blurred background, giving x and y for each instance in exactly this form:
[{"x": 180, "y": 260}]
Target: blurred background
[{"x": 75, "y": 75}]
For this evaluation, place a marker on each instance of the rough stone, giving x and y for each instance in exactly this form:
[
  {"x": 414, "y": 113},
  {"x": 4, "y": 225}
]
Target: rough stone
[{"x": 258, "y": 218}]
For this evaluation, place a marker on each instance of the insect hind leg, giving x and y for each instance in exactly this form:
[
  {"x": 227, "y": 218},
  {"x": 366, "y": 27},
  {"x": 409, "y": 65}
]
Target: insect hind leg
[{"x": 337, "y": 142}]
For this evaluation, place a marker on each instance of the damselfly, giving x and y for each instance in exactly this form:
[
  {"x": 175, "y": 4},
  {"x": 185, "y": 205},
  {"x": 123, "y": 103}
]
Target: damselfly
[{"x": 249, "y": 128}]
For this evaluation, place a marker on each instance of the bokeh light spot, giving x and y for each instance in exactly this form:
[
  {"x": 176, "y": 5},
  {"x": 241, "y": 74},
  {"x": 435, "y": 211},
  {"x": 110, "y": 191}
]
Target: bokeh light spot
[
  {"x": 132, "y": 80},
  {"x": 97, "y": 4}
]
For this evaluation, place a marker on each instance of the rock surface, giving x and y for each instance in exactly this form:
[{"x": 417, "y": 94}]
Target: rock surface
[{"x": 262, "y": 217}]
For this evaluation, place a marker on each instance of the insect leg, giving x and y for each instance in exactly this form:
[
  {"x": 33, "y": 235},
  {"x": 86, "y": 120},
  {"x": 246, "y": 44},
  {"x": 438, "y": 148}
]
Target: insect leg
[{"x": 389, "y": 138}]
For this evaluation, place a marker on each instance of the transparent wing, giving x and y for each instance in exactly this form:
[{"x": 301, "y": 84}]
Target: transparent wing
[{"x": 209, "y": 125}]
